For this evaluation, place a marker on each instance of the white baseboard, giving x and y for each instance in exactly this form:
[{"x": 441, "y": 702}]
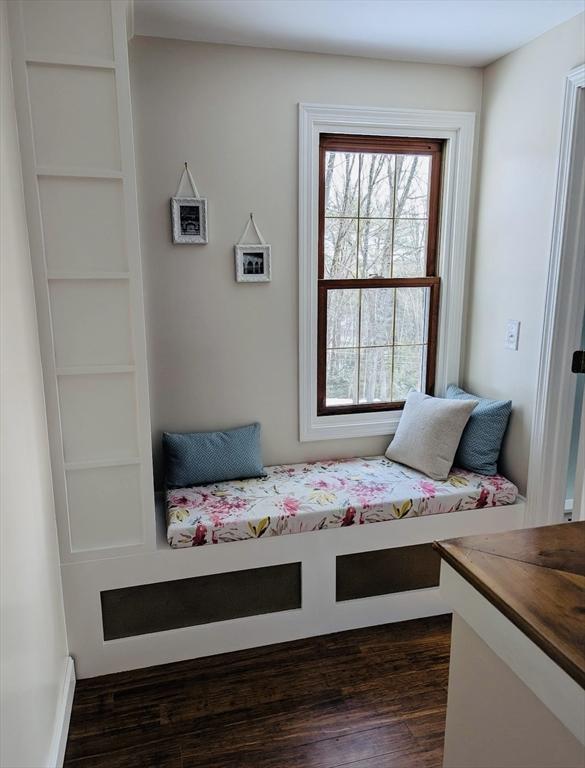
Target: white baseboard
[{"x": 62, "y": 717}]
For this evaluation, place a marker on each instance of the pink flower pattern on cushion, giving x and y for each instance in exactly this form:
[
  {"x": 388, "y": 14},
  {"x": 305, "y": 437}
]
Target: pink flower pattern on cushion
[
  {"x": 291, "y": 506},
  {"x": 324, "y": 494},
  {"x": 428, "y": 488}
]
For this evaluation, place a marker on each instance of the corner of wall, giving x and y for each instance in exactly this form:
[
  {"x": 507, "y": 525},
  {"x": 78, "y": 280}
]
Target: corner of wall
[{"x": 34, "y": 642}]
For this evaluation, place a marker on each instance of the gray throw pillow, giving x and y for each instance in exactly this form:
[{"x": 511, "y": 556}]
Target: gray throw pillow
[{"x": 429, "y": 432}]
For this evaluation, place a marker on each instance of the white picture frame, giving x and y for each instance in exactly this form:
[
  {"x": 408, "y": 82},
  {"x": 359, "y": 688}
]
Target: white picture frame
[
  {"x": 189, "y": 220},
  {"x": 253, "y": 263}
]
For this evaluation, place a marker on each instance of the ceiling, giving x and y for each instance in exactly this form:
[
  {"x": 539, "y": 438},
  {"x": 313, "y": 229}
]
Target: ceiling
[{"x": 465, "y": 32}]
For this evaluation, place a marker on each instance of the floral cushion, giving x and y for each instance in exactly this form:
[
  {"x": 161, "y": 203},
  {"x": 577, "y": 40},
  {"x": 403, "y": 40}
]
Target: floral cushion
[{"x": 297, "y": 498}]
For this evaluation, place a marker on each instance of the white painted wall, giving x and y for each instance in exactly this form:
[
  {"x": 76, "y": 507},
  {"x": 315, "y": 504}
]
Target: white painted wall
[
  {"x": 223, "y": 354},
  {"x": 34, "y": 645},
  {"x": 522, "y": 108}
]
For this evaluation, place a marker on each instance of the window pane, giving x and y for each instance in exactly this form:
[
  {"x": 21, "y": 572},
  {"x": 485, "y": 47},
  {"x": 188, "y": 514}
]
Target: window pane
[
  {"x": 341, "y": 183},
  {"x": 410, "y": 322},
  {"x": 340, "y": 248},
  {"x": 342, "y": 318},
  {"x": 412, "y": 186},
  {"x": 410, "y": 248},
  {"x": 341, "y": 386},
  {"x": 375, "y": 375},
  {"x": 409, "y": 370},
  {"x": 375, "y": 225},
  {"x": 375, "y": 248},
  {"x": 376, "y": 185},
  {"x": 377, "y": 320}
]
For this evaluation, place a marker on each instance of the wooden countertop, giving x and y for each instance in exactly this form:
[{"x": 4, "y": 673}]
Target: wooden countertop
[{"x": 536, "y": 578}]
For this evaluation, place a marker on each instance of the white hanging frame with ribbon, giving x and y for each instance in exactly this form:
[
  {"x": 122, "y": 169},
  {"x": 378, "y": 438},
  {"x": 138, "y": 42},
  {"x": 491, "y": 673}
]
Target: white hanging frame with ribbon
[
  {"x": 189, "y": 214},
  {"x": 252, "y": 259}
]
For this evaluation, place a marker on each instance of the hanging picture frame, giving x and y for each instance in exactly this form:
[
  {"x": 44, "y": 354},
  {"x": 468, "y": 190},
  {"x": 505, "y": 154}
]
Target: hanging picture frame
[
  {"x": 253, "y": 260},
  {"x": 189, "y": 214}
]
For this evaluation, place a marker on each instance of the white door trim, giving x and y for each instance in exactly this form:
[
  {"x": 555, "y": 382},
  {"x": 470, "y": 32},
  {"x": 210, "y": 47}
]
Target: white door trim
[
  {"x": 565, "y": 303},
  {"x": 458, "y": 129}
]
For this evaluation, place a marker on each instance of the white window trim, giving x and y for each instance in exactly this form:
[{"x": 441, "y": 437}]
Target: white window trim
[{"x": 458, "y": 129}]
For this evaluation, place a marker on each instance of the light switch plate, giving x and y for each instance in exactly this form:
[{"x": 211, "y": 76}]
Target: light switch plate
[{"x": 512, "y": 334}]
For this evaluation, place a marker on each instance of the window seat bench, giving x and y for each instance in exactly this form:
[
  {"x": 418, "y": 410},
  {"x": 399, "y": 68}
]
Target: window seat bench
[
  {"x": 261, "y": 587},
  {"x": 321, "y": 495}
]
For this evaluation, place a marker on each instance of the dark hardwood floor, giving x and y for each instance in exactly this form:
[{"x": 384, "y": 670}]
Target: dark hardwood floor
[{"x": 369, "y": 698}]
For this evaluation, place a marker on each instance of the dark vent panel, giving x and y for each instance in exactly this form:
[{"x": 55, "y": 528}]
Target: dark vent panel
[
  {"x": 200, "y": 600},
  {"x": 384, "y": 571}
]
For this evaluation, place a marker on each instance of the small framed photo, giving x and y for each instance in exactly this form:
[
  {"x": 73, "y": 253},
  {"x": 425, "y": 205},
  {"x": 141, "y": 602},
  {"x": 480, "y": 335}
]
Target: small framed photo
[
  {"x": 189, "y": 217},
  {"x": 252, "y": 263}
]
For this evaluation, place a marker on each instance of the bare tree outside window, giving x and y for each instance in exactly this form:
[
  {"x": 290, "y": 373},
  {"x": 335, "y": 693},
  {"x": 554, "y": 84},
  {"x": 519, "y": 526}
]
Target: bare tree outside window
[{"x": 378, "y": 289}]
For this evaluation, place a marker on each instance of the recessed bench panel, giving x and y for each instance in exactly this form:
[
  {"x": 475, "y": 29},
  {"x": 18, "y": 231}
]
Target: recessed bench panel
[
  {"x": 384, "y": 571},
  {"x": 180, "y": 603}
]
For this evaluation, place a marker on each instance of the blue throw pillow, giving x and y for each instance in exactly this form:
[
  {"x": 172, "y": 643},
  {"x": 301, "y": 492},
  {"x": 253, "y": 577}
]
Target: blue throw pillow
[
  {"x": 195, "y": 458},
  {"x": 481, "y": 441}
]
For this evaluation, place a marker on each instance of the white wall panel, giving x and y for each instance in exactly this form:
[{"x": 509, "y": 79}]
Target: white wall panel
[
  {"x": 91, "y": 322},
  {"x": 75, "y": 119},
  {"x": 98, "y": 417},
  {"x": 104, "y": 507},
  {"x": 75, "y": 124},
  {"x": 83, "y": 224},
  {"x": 63, "y": 27}
]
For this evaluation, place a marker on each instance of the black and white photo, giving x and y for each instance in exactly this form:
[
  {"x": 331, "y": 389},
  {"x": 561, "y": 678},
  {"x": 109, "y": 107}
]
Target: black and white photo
[
  {"x": 252, "y": 263},
  {"x": 189, "y": 220}
]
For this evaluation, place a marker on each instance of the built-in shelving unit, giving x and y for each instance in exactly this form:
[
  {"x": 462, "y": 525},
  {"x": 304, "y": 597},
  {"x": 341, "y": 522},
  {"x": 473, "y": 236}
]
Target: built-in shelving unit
[{"x": 75, "y": 123}]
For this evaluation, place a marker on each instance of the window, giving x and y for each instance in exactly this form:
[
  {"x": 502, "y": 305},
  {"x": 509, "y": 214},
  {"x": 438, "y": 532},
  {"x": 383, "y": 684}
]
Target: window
[
  {"x": 378, "y": 287},
  {"x": 453, "y": 134}
]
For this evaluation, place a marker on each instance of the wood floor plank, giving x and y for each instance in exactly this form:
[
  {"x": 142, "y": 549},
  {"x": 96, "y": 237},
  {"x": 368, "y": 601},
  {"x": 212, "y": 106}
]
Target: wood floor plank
[
  {"x": 406, "y": 759},
  {"x": 388, "y": 741},
  {"x": 390, "y": 761},
  {"x": 366, "y": 698},
  {"x": 158, "y": 755}
]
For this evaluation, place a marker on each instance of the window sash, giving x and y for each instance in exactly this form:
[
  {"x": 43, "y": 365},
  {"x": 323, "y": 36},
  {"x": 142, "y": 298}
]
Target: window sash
[
  {"x": 433, "y": 283},
  {"x": 379, "y": 145}
]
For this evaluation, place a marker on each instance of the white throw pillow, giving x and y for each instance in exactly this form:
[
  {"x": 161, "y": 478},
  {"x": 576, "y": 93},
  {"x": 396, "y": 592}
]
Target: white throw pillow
[{"x": 429, "y": 432}]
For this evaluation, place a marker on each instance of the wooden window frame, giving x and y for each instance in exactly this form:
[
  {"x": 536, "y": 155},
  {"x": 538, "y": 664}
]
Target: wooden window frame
[{"x": 388, "y": 145}]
